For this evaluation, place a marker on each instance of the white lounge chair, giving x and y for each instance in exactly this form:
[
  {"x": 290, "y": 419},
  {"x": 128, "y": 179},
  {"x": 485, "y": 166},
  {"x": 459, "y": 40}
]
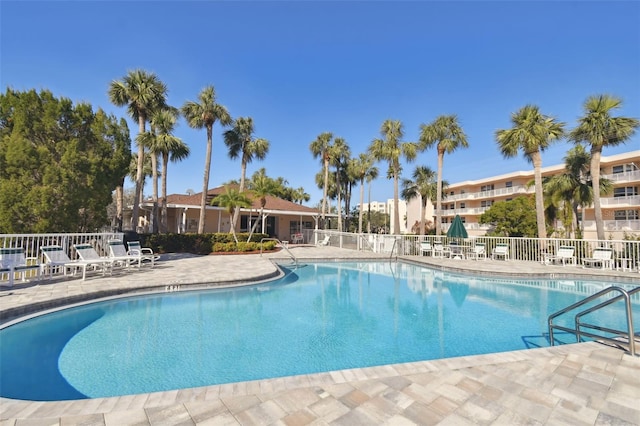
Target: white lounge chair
[
  {"x": 477, "y": 252},
  {"x": 602, "y": 256},
  {"x": 87, "y": 253},
  {"x": 565, "y": 255},
  {"x": 426, "y": 248},
  {"x": 501, "y": 251},
  {"x": 13, "y": 261},
  {"x": 440, "y": 251},
  {"x": 56, "y": 257},
  {"x": 118, "y": 251},
  {"x": 146, "y": 253},
  {"x": 325, "y": 241}
]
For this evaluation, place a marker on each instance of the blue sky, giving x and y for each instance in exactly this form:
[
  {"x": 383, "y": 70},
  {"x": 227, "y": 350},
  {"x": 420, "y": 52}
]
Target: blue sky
[{"x": 302, "y": 68}]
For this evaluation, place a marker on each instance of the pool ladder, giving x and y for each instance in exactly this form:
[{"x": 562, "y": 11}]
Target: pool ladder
[
  {"x": 621, "y": 338},
  {"x": 284, "y": 247}
]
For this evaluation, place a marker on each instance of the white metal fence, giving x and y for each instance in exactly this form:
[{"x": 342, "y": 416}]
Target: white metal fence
[{"x": 32, "y": 242}]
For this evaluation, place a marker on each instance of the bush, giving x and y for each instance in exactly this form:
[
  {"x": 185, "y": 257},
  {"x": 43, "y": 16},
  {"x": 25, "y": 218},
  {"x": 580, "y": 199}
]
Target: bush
[{"x": 204, "y": 243}]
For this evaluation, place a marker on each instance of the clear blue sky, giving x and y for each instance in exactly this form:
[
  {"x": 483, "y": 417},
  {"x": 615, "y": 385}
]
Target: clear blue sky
[{"x": 302, "y": 68}]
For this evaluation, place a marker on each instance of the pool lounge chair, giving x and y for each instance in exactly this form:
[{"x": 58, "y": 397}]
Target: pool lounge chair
[
  {"x": 565, "y": 255},
  {"x": 146, "y": 253},
  {"x": 118, "y": 251},
  {"x": 601, "y": 256},
  {"x": 477, "y": 252},
  {"x": 87, "y": 253},
  {"x": 426, "y": 248},
  {"x": 13, "y": 261},
  {"x": 56, "y": 257},
  {"x": 440, "y": 251},
  {"x": 501, "y": 251},
  {"x": 325, "y": 241}
]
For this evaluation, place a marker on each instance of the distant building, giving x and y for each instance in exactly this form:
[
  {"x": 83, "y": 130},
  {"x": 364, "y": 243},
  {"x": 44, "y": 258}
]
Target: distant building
[
  {"x": 620, "y": 210},
  {"x": 387, "y": 208}
]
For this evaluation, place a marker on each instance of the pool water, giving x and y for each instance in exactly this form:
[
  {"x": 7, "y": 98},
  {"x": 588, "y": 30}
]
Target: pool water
[{"x": 319, "y": 317}]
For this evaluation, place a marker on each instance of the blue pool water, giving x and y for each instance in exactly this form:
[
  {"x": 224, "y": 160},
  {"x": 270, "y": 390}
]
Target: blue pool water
[{"x": 320, "y": 317}]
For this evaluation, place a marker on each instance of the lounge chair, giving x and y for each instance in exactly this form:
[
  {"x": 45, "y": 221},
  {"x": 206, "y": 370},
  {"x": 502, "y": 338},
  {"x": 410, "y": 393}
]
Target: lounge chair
[
  {"x": 325, "y": 241},
  {"x": 426, "y": 247},
  {"x": 565, "y": 255},
  {"x": 501, "y": 251},
  {"x": 601, "y": 256},
  {"x": 135, "y": 249},
  {"x": 13, "y": 261},
  {"x": 440, "y": 251},
  {"x": 119, "y": 252},
  {"x": 477, "y": 252},
  {"x": 87, "y": 253},
  {"x": 56, "y": 257}
]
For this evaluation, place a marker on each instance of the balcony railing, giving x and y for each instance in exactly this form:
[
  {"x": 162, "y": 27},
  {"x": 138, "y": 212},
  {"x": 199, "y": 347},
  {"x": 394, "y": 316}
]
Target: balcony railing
[
  {"x": 631, "y": 201},
  {"x": 633, "y": 176}
]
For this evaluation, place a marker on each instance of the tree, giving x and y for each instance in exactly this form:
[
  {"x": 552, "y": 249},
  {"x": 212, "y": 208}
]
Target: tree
[
  {"x": 320, "y": 148},
  {"x": 204, "y": 114},
  {"x": 532, "y": 132},
  {"x": 241, "y": 143},
  {"x": 339, "y": 154},
  {"x": 600, "y": 129},
  {"x": 59, "y": 163},
  {"x": 260, "y": 187},
  {"x": 230, "y": 200},
  {"x": 448, "y": 136},
  {"x": 363, "y": 169},
  {"x": 169, "y": 147},
  {"x": 142, "y": 92},
  {"x": 390, "y": 148},
  {"x": 423, "y": 185},
  {"x": 514, "y": 218}
]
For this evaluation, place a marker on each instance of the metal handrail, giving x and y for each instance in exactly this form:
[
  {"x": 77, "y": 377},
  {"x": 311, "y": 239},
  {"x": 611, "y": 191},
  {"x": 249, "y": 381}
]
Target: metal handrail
[
  {"x": 578, "y": 333},
  {"x": 295, "y": 259}
]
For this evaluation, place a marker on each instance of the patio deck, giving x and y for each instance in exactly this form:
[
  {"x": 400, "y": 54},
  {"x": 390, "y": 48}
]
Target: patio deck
[{"x": 586, "y": 383}]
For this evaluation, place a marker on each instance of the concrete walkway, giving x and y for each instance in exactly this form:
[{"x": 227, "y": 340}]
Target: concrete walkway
[{"x": 588, "y": 383}]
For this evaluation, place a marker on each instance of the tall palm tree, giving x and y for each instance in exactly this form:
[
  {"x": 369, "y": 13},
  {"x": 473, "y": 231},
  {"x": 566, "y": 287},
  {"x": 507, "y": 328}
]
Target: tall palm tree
[
  {"x": 363, "y": 169},
  {"x": 339, "y": 154},
  {"x": 423, "y": 185},
  {"x": 532, "y": 132},
  {"x": 203, "y": 114},
  {"x": 241, "y": 143},
  {"x": 168, "y": 147},
  {"x": 261, "y": 186},
  {"x": 230, "y": 200},
  {"x": 447, "y": 134},
  {"x": 600, "y": 129},
  {"x": 141, "y": 92},
  {"x": 391, "y": 149},
  {"x": 320, "y": 148}
]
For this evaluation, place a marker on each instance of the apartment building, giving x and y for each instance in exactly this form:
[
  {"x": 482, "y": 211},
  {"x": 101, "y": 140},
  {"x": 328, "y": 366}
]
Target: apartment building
[
  {"x": 387, "y": 207},
  {"x": 620, "y": 210}
]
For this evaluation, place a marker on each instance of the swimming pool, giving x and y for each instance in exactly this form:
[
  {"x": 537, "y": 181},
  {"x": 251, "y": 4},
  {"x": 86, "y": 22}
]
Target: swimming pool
[{"x": 320, "y": 317}]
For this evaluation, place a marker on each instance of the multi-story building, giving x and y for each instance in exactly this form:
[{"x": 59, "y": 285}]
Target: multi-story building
[
  {"x": 620, "y": 210},
  {"x": 387, "y": 208}
]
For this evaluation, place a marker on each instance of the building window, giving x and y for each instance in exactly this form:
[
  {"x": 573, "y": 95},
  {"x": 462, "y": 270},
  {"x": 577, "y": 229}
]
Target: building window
[
  {"x": 452, "y": 193},
  {"x": 464, "y": 219},
  {"x": 486, "y": 203},
  {"x": 509, "y": 199},
  {"x": 484, "y": 188},
  {"x": 631, "y": 167},
  {"x": 625, "y": 191},
  {"x": 626, "y": 215},
  {"x": 452, "y": 207},
  {"x": 508, "y": 184},
  {"x": 463, "y": 205}
]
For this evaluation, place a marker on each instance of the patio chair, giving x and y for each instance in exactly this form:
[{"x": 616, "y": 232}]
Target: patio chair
[
  {"x": 56, "y": 257},
  {"x": 297, "y": 239},
  {"x": 565, "y": 255},
  {"x": 325, "y": 241},
  {"x": 146, "y": 253},
  {"x": 501, "y": 251},
  {"x": 440, "y": 251},
  {"x": 13, "y": 261},
  {"x": 118, "y": 251},
  {"x": 477, "y": 252},
  {"x": 87, "y": 253},
  {"x": 426, "y": 247},
  {"x": 602, "y": 256}
]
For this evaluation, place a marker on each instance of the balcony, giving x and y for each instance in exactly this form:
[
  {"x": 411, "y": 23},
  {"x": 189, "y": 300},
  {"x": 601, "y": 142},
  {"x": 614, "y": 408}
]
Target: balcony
[
  {"x": 633, "y": 176},
  {"x": 632, "y": 201},
  {"x": 614, "y": 225},
  {"x": 501, "y": 192}
]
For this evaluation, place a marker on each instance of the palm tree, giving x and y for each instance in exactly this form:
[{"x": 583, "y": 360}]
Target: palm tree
[
  {"x": 204, "y": 114},
  {"x": 363, "y": 169},
  {"x": 261, "y": 186},
  {"x": 423, "y": 185},
  {"x": 241, "y": 143},
  {"x": 142, "y": 92},
  {"x": 532, "y": 132},
  {"x": 320, "y": 148},
  {"x": 168, "y": 147},
  {"x": 600, "y": 129},
  {"x": 391, "y": 149},
  {"x": 232, "y": 199},
  {"x": 339, "y": 154},
  {"x": 446, "y": 133}
]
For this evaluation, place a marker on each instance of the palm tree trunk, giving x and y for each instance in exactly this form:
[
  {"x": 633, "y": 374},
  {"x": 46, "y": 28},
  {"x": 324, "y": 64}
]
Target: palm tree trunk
[
  {"x": 595, "y": 183},
  {"x": 205, "y": 185},
  {"x": 423, "y": 214},
  {"x": 536, "y": 159},
  {"x": 119, "y": 205},
  {"x": 154, "y": 177},
  {"x": 163, "y": 220},
  {"x": 361, "y": 207},
  {"x": 324, "y": 192},
  {"x": 243, "y": 171},
  {"x": 135, "y": 213},
  {"x": 439, "y": 192},
  {"x": 339, "y": 203},
  {"x": 396, "y": 212}
]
